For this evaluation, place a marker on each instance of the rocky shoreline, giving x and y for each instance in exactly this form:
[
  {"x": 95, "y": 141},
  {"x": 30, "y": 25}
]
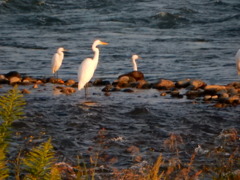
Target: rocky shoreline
[{"x": 219, "y": 95}]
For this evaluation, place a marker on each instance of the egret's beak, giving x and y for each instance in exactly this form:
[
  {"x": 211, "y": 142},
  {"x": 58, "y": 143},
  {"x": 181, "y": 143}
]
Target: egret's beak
[
  {"x": 66, "y": 50},
  {"x": 104, "y": 43}
]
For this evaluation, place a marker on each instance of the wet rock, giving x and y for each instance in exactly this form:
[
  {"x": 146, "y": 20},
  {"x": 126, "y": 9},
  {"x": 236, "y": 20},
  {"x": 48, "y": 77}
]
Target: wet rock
[
  {"x": 235, "y": 85},
  {"x": 222, "y": 94},
  {"x": 3, "y": 79},
  {"x": 192, "y": 94},
  {"x": 214, "y": 97},
  {"x": 69, "y": 82},
  {"x": 183, "y": 83},
  {"x": 107, "y": 93},
  {"x": 14, "y": 80},
  {"x": 164, "y": 84},
  {"x": 114, "y": 89},
  {"x": 142, "y": 84},
  {"x": 12, "y": 74},
  {"x": 28, "y": 80},
  {"x": 107, "y": 88},
  {"x": 163, "y": 94},
  {"x": 75, "y": 85},
  {"x": 67, "y": 90},
  {"x": 196, "y": 84},
  {"x": 213, "y": 89},
  {"x": 128, "y": 90},
  {"x": 176, "y": 94},
  {"x": 207, "y": 98},
  {"x": 232, "y": 91},
  {"x": 100, "y": 82},
  {"x": 35, "y": 86},
  {"x": 220, "y": 105},
  {"x": 125, "y": 81},
  {"x": 25, "y": 91},
  {"x": 55, "y": 80},
  {"x": 136, "y": 75},
  {"x": 232, "y": 100}
]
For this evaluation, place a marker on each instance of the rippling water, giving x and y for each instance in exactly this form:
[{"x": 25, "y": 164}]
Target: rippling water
[{"x": 176, "y": 40}]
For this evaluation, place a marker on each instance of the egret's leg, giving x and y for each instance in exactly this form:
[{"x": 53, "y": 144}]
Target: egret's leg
[{"x": 86, "y": 90}]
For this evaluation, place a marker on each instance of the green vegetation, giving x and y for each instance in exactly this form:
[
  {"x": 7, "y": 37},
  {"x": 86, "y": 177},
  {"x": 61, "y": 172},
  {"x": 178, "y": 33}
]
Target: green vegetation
[{"x": 40, "y": 163}]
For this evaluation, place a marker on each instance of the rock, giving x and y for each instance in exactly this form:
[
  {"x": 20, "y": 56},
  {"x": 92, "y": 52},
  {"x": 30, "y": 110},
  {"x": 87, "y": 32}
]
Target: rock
[
  {"x": 128, "y": 90},
  {"x": 163, "y": 94},
  {"x": 55, "y": 80},
  {"x": 192, "y": 94},
  {"x": 183, "y": 83},
  {"x": 107, "y": 88},
  {"x": 235, "y": 85},
  {"x": 107, "y": 93},
  {"x": 232, "y": 91},
  {"x": 29, "y": 80},
  {"x": 69, "y": 82},
  {"x": 164, "y": 84},
  {"x": 176, "y": 94},
  {"x": 136, "y": 75},
  {"x": 220, "y": 105},
  {"x": 207, "y": 98},
  {"x": 100, "y": 82},
  {"x": 233, "y": 100},
  {"x": 13, "y": 74},
  {"x": 68, "y": 90},
  {"x": 14, "y": 80},
  {"x": 196, "y": 84},
  {"x": 124, "y": 81},
  {"x": 215, "y": 97},
  {"x": 35, "y": 86},
  {"x": 142, "y": 84},
  {"x": 3, "y": 79},
  {"x": 213, "y": 89},
  {"x": 223, "y": 94},
  {"x": 25, "y": 91}
]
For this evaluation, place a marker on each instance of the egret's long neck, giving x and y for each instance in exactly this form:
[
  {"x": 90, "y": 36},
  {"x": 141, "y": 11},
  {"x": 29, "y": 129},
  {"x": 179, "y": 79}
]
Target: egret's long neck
[
  {"x": 134, "y": 64},
  {"x": 60, "y": 53},
  {"x": 96, "y": 53}
]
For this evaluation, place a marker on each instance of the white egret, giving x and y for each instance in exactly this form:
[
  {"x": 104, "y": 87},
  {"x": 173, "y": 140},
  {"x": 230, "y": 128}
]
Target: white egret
[
  {"x": 134, "y": 58},
  {"x": 57, "y": 59},
  {"x": 137, "y": 75},
  {"x": 88, "y": 66},
  {"x": 238, "y": 61}
]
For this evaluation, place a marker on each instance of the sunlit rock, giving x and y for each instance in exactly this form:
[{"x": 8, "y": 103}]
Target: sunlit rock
[{"x": 164, "y": 84}]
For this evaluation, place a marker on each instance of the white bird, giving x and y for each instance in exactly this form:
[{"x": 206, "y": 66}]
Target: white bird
[
  {"x": 57, "y": 59},
  {"x": 134, "y": 58},
  {"x": 88, "y": 66},
  {"x": 237, "y": 57}
]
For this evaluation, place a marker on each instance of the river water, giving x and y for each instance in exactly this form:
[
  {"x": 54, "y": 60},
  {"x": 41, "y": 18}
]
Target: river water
[{"x": 175, "y": 39}]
